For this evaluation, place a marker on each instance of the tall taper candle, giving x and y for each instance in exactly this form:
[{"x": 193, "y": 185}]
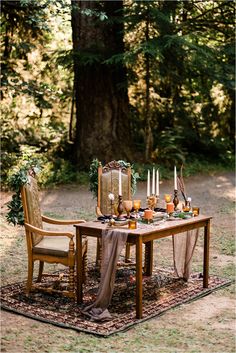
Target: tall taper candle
[
  {"x": 120, "y": 186},
  {"x": 153, "y": 181},
  {"x": 175, "y": 179},
  {"x": 157, "y": 182},
  {"x": 148, "y": 184}
]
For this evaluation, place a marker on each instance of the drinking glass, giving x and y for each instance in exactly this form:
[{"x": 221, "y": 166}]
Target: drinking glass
[
  {"x": 167, "y": 198},
  {"x": 132, "y": 224},
  {"x": 136, "y": 205},
  {"x": 196, "y": 211},
  {"x": 128, "y": 204}
]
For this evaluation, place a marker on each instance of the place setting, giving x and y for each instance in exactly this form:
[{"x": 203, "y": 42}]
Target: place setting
[{"x": 131, "y": 213}]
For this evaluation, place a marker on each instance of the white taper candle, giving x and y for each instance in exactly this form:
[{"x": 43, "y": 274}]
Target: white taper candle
[
  {"x": 157, "y": 182},
  {"x": 148, "y": 184},
  {"x": 120, "y": 184},
  {"x": 153, "y": 181},
  {"x": 175, "y": 179}
]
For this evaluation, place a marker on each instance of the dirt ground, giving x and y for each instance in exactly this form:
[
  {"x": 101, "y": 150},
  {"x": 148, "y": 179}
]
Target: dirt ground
[{"x": 206, "y": 325}]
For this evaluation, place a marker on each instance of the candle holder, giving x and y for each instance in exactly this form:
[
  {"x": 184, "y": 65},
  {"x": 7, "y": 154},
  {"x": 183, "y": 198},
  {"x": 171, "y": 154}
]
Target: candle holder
[
  {"x": 148, "y": 216},
  {"x": 157, "y": 200},
  {"x": 112, "y": 207},
  {"x": 112, "y": 220},
  {"x": 151, "y": 202},
  {"x": 170, "y": 207},
  {"x": 175, "y": 199},
  {"x": 120, "y": 208},
  {"x": 111, "y": 197}
]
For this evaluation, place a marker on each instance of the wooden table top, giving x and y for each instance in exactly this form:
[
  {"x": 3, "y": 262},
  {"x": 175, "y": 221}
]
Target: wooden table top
[{"x": 159, "y": 229}]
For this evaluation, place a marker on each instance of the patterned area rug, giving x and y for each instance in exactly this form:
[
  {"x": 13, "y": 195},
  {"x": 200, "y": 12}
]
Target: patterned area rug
[{"x": 161, "y": 292}]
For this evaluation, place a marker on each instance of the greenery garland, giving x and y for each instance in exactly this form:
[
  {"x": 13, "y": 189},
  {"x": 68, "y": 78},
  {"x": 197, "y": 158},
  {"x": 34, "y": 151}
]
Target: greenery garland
[
  {"x": 16, "y": 180},
  {"x": 19, "y": 177},
  {"x": 93, "y": 176}
]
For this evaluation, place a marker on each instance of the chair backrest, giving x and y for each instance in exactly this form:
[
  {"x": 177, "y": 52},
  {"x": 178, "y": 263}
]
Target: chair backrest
[
  {"x": 31, "y": 206},
  {"x": 108, "y": 182}
]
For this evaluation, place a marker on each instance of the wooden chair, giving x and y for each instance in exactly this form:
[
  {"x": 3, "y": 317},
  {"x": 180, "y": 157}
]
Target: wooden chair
[
  {"x": 108, "y": 182},
  {"x": 48, "y": 246}
]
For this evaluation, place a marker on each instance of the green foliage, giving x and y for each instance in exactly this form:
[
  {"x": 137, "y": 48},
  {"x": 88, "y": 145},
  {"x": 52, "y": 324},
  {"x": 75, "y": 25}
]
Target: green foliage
[
  {"x": 86, "y": 58},
  {"x": 33, "y": 106},
  {"x": 64, "y": 58},
  {"x": 191, "y": 56},
  {"x": 58, "y": 171},
  {"x": 23, "y": 24},
  {"x": 194, "y": 165},
  {"x": 50, "y": 137},
  {"x": 134, "y": 175},
  {"x": 170, "y": 149},
  {"x": 15, "y": 165},
  {"x": 142, "y": 170},
  {"x": 89, "y": 12},
  {"x": 93, "y": 176},
  {"x": 15, "y": 214},
  {"x": 198, "y": 164},
  {"x": 187, "y": 58},
  {"x": 53, "y": 170},
  {"x": 17, "y": 177}
]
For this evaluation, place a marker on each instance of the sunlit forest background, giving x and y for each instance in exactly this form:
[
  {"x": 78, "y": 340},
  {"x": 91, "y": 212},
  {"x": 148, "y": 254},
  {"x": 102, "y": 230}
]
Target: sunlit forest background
[{"x": 144, "y": 81}]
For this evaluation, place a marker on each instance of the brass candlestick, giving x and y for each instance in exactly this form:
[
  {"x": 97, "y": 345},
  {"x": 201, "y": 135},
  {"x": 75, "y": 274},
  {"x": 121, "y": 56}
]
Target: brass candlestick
[
  {"x": 157, "y": 200},
  {"x": 120, "y": 207},
  {"x": 175, "y": 199}
]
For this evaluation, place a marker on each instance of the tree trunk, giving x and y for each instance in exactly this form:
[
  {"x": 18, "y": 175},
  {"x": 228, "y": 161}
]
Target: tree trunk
[
  {"x": 148, "y": 117},
  {"x": 102, "y": 115}
]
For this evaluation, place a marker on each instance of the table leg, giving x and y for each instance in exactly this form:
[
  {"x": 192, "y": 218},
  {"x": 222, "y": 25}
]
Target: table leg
[
  {"x": 139, "y": 289},
  {"x": 206, "y": 254},
  {"x": 79, "y": 276},
  {"x": 148, "y": 265}
]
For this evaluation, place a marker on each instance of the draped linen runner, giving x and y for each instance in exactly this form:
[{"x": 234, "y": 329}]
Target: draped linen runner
[
  {"x": 183, "y": 248},
  {"x": 112, "y": 243}
]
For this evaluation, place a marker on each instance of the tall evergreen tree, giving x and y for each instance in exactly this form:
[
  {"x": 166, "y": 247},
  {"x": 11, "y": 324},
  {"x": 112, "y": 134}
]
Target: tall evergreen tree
[
  {"x": 189, "y": 51},
  {"x": 102, "y": 106},
  {"x": 176, "y": 60}
]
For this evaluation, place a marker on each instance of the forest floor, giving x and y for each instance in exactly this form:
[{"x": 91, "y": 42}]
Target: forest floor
[{"x": 205, "y": 325}]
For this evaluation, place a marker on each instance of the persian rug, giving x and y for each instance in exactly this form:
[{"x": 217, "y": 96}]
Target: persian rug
[{"x": 161, "y": 292}]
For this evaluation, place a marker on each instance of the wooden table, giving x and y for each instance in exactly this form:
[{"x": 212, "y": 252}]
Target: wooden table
[{"x": 144, "y": 235}]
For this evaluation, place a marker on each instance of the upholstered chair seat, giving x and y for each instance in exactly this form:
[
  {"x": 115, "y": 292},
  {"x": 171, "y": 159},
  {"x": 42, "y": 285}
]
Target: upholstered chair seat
[{"x": 48, "y": 246}]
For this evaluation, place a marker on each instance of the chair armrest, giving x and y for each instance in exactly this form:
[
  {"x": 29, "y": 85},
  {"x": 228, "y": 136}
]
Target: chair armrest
[
  {"x": 47, "y": 232},
  {"x": 62, "y": 222}
]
